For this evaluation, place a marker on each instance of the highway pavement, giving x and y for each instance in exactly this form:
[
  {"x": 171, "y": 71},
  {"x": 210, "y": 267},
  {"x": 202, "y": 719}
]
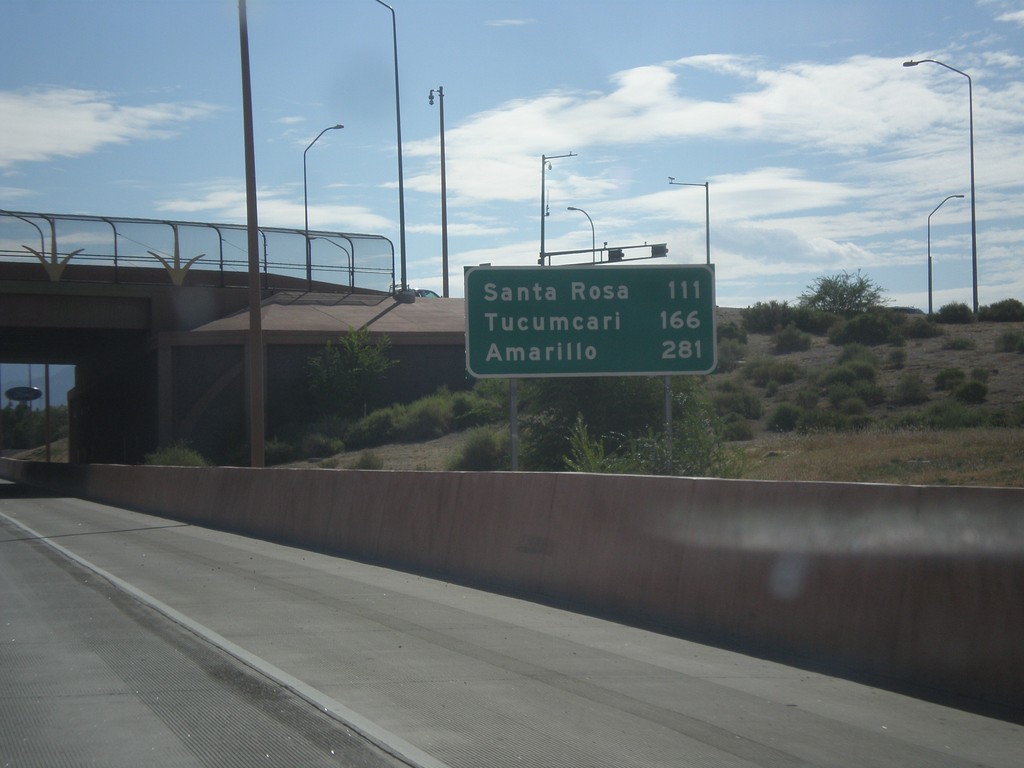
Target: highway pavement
[{"x": 128, "y": 640}]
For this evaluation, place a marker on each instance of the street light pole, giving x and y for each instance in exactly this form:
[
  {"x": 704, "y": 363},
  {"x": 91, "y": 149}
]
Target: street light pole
[
  {"x": 544, "y": 165},
  {"x": 930, "y": 250},
  {"x": 305, "y": 203},
  {"x": 444, "y": 196},
  {"x": 974, "y": 218},
  {"x": 403, "y": 294},
  {"x": 707, "y": 211},
  {"x": 593, "y": 236}
]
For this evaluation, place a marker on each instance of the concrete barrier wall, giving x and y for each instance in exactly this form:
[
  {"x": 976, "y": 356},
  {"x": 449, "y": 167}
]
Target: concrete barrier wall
[{"x": 922, "y": 586}]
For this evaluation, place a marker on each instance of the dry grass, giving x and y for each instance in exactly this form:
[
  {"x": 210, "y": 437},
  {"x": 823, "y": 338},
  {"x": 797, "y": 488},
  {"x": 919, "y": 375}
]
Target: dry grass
[{"x": 979, "y": 457}]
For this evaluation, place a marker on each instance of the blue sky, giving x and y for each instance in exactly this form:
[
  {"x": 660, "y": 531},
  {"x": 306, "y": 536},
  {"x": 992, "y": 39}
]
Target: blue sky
[{"x": 821, "y": 151}]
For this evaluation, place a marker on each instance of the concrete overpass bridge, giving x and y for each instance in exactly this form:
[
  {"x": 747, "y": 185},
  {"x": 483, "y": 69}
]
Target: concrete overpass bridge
[{"x": 101, "y": 293}]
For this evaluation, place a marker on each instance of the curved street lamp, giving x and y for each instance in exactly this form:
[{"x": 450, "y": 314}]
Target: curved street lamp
[
  {"x": 404, "y": 294},
  {"x": 707, "y": 211},
  {"x": 974, "y": 219},
  {"x": 593, "y": 237},
  {"x": 305, "y": 202},
  {"x": 930, "y": 249}
]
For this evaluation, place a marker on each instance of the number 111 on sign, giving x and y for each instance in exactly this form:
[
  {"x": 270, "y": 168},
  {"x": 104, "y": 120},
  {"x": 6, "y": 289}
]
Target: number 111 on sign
[{"x": 684, "y": 290}]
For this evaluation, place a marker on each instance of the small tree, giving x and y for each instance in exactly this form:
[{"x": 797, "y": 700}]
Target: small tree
[
  {"x": 844, "y": 293},
  {"x": 344, "y": 378}
]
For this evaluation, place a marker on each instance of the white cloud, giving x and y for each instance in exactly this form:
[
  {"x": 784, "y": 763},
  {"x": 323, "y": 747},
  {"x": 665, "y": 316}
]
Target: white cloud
[
  {"x": 42, "y": 124},
  {"x": 225, "y": 201},
  {"x": 1014, "y": 17}
]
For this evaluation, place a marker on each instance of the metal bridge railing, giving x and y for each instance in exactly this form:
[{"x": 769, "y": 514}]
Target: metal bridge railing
[{"x": 167, "y": 251}]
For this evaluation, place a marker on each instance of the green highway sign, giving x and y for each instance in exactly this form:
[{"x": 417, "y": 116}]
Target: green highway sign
[{"x": 646, "y": 320}]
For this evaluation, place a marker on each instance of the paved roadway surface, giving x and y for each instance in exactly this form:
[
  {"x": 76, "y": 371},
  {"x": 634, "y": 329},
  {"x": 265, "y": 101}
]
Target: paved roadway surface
[{"x": 131, "y": 640}]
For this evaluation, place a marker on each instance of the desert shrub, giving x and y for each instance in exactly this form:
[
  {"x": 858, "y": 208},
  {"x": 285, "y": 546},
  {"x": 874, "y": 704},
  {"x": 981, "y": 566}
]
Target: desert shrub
[
  {"x": 806, "y": 398},
  {"x": 367, "y": 460},
  {"x": 586, "y": 454},
  {"x": 814, "y": 321},
  {"x": 954, "y": 313},
  {"x": 614, "y": 408},
  {"x": 484, "y": 450},
  {"x": 763, "y": 371},
  {"x": 376, "y": 428},
  {"x": 784, "y": 418},
  {"x": 870, "y": 328},
  {"x": 949, "y": 379},
  {"x": 1005, "y": 311},
  {"x": 851, "y": 372},
  {"x": 980, "y": 374},
  {"x": 823, "y": 421},
  {"x": 910, "y": 390},
  {"x": 425, "y": 419},
  {"x": 766, "y": 317},
  {"x": 316, "y": 444},
  {"x": 950, "y": 413},
  {"x": 959, "y": 342},
  {"x": 791, "y": 339},
  {"x": 277, "y": 451},
  {"x": 485, "y": 403},
  {"x": 897, "y": 358},
  {"x": 730, "y": 355},
  {"x": 737, "y": 431},
  {"x": 971, "y": 392},
  {"x": 176, "y": 455},
  {"x": 920, "y": 328},
  {"x": 1010, "y": 341},
  {"x": 857, "y": 352},
  {"x": 732, "y": 332},
  {"x": 736, "y": 399}
]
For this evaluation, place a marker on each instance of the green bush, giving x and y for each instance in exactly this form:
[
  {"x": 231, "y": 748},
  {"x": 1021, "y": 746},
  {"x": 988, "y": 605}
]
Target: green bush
[
  {"x": 953, "y": 414},
  {"x": 949, "y": 379},
  {"x": 484, "y": 450},
  {"x": 730, "y": 355},
  {"x": 176, "y": 455},
  {"x": 784, "y": 418},
  {"x": 367, "y": 460},
  {"x": 872, "y": 328},
  {"x": 277, "y": 451},
  {"x": 737, "y": 431},
  {"x": 767, "y": 317},
  {"x": 486, "y": 403},
  {"x": 972, "y": 392},
  {"x": 910, "y": 390},
  {"x": 897, "y": 358},
  {"x": 764, "y": 370},
  {"x": 375, "y": 428},
  {"x": 791, "y": 339},
  {"x": 920, "y": 328},
  {"x": 1010, "y": 341},
  {"x": 317, "y": 444},
  {"x": 731, "y": 332},
  {"x": 736, "y": 399},
  {"x": 1005, "y": 311},
  {"x": 857, "y": 352},
  {"x": 959, "y": 342},
  {"x": 955, "y": 313},
  {"x": 814, "y": 321},
  {"x": 425, "y": 419}
]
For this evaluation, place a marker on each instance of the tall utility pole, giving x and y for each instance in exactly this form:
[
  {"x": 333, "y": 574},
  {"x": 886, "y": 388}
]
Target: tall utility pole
[
  {"x": 257, "y": 425},
  {"x": 444, "y": 196}
]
